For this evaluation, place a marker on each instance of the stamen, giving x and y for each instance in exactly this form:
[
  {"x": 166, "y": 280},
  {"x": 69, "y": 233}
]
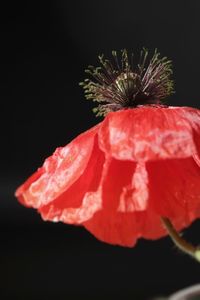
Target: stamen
[{"x": 120, "y": 84}]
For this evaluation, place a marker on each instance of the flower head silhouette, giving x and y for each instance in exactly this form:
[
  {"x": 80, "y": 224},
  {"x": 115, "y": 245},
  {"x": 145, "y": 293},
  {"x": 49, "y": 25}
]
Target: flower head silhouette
[{"x": 135, "y": 171}]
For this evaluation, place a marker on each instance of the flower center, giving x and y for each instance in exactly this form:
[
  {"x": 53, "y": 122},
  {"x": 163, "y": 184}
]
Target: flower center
[
  {"x": 127, "y": 84},
  {"x": 121, "y": 85}
]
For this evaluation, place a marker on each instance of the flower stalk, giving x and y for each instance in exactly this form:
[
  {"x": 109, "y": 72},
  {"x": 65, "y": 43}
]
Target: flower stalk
[{"x": 183, "y": 245}]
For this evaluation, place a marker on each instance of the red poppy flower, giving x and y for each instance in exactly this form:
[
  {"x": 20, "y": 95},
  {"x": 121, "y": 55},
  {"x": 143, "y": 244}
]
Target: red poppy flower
[{"x": 139, "y": 165}]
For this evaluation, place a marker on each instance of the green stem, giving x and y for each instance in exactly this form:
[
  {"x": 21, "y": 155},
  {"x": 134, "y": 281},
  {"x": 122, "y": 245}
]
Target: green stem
[{"x": 183, "y": 245}]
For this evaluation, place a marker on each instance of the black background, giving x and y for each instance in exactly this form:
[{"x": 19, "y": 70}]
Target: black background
[{"x": 45, "y": 47}]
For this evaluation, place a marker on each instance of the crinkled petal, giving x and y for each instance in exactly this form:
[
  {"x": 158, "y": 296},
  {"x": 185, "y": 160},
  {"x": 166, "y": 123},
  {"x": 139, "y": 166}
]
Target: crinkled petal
[
  {"x": 109, "y": 224},
  {"x": 150, "y": 133},
  {"x": 134, "y": 197},
  {"x": 126, "y": 214},
  {"x": 59, "y": 171},
  {"x": 120, "y": 177},
  {"x": 83, "y": 198}
]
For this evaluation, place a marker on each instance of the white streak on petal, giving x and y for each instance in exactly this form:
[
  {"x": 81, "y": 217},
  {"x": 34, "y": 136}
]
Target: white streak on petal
[
  {"x": 92, "y": 203},
  {"x": 53, "y": 182},
  {"x": 156, "y": 143},
  {"x": 196, "y": 159},
  {"x": 135, "y": 198}
]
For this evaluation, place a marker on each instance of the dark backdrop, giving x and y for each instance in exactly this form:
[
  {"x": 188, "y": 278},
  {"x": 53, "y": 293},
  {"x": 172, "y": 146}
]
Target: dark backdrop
[{"x": 45, "y": 47}]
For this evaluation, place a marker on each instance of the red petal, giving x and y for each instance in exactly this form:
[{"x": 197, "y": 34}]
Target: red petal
[
  {"x": 174, "y": 190},
  {"x": 109, "y": 224},
  {"x": 118, "y": 178},
  {"x": 149, "y": 225},
  {"x": 59, "y": 171},
  {"x": 120, "y": 225},
  {"x": 149, "y": 133},
  {"x": 193, "y": 116},
  {"x": 22, "y": 189},
  {"x": 82, "y": 199}
]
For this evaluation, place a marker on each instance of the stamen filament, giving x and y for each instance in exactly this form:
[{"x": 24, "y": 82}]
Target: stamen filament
[{"x": 124, "y": 85}]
